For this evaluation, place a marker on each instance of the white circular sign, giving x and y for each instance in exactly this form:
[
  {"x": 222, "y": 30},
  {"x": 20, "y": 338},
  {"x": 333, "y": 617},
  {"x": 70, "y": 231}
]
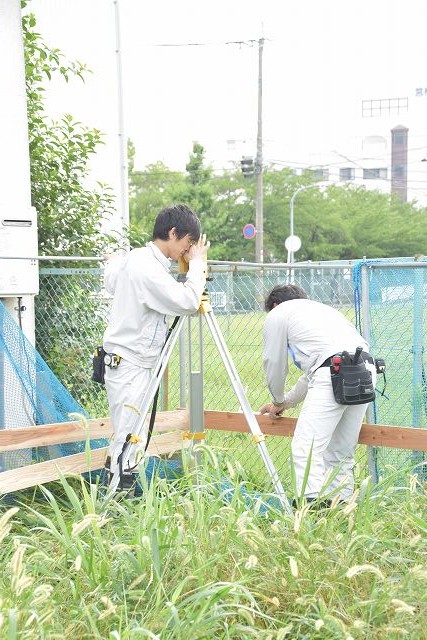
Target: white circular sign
[{"x": 293, "y": 243}]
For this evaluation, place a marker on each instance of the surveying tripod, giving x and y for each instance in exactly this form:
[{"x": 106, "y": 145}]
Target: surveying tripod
[{"x": 196, "y": 393}]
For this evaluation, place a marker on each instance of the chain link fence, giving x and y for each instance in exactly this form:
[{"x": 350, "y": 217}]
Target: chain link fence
[
  {"x": 71, "y": 313},
  {"x": 72, "y": 310},
  {"x": 392, "y": 297}
]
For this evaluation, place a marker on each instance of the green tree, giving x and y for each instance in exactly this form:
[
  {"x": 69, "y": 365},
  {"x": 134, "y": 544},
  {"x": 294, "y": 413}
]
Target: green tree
[
  {"x": 149, "y": 191},
  {"x": 279, "y": 185},
  {"x": 225, "y": 203},
  {"x": 377, "y": 224},
  {"x": 232, "y": 208},
  {"x": 70, "y": 214},
  {"x": 196, "y": 190},
  {"x": 339, "y": 222}
]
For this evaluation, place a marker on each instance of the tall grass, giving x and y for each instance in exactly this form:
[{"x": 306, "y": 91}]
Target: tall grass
[{"x": 190, "y": 560}]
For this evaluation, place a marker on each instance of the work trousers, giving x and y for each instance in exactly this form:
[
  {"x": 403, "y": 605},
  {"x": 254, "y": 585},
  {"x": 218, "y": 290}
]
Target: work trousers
[
  {"x": 329, "y": 431},
  {"x": 126, "y": 386}
]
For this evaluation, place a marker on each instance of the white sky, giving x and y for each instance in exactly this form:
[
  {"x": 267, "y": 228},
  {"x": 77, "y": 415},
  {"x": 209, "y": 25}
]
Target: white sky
[{"x": 321, "y": 59}]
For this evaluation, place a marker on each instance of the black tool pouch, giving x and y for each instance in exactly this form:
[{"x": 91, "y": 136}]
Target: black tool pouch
[
  {"x": 98, "y": 366},
  {"x": 353, "y": 384}
]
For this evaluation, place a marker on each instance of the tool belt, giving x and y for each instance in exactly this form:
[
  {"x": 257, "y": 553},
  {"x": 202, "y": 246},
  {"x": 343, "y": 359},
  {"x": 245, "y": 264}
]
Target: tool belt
[
  {"x": 351, "y": 381},
  {"x": 100, "y": 360}
]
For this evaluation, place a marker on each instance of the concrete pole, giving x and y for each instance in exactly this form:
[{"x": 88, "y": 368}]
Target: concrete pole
[
  {"x": 259, "y": 217},
  {"x": 123, "y": 154}
]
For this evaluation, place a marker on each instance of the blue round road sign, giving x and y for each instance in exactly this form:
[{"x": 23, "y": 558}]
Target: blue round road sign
[{"x": 249, "y": 231}]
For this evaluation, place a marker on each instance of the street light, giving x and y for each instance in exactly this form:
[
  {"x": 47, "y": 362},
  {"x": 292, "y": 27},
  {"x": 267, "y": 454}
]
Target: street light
[{"x": 293, "y": 240}]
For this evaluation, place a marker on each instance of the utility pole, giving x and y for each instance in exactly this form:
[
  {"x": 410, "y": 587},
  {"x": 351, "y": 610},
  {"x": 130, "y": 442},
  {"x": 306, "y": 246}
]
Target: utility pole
[
  {"x": 123, "y": 200},
  {"x": 259, "y": 216}
]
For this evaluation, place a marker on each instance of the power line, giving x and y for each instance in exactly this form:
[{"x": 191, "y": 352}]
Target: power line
[
  {"x": 354, "y": 161},
  {"x": 250, "y": 42}
]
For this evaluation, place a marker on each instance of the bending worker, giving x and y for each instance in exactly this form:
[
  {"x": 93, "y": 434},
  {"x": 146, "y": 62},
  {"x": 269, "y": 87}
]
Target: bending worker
[
  {"x": 144, "y": 294},
  {"x": 327, "y": 431}
]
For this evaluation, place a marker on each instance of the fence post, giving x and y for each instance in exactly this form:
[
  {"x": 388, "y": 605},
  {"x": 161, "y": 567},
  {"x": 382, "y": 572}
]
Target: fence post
[
  {"x": 182, "y": 371},
  {"x": 418, "y": 373},
  {"x": 366, "y": 332}
]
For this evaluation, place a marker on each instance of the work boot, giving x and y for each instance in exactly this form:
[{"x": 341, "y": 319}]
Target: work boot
[
  {"x": 128, "y": 482},
  {"x": 105, "y": 475},
  {"x": 314, "y": 503}
]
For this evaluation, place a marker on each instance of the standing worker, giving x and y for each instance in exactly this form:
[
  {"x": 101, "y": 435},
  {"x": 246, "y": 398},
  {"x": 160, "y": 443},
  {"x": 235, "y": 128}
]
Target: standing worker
[
  {"x": 144, "y": 294},
  {"x": 337, "y": 383}
]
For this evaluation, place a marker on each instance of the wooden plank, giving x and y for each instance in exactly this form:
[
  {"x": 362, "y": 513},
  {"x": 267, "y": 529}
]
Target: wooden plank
[
  {"x": 64, "y": 432},
  {"x": 375, "y": 435},
  {"x": 45, "y": 435},
  {"x": 42, "y": 472},
  {"x": 231, "y": 421},
  {"x": 50, "y": 434},
  {"x": 164, "y": 443}
]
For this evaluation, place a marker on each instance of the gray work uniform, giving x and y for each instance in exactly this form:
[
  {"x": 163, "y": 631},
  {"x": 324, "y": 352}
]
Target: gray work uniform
[
  {"x": 144, "y": 294},
  {"x": 311, "y": 332}
]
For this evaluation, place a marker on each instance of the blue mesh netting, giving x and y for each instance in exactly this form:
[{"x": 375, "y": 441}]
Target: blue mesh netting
[
  {"x": 395, "y": 324},
  {"x": 30, "y": 394}
]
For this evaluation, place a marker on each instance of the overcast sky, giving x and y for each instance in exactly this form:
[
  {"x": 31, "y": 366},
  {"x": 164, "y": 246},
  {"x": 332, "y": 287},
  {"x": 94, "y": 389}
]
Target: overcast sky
[{"x": 320, "y": 60}]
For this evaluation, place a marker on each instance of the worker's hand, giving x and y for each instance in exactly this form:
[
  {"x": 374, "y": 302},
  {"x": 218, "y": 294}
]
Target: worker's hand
[
  {"x": 273, "y": 410},
  {"x": 199, "y": 249}
]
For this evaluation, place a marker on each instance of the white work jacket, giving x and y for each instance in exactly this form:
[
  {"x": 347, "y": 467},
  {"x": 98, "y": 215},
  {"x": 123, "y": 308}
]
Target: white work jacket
[
  {"x": 145, "y": 292},
  {"x": 309, "y": 332}
]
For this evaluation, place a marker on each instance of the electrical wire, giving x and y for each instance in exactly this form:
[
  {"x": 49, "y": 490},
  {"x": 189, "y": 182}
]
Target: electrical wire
[{"x": 249, "y": 42}]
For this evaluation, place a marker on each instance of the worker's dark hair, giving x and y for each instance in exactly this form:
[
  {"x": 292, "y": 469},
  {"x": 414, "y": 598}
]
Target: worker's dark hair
[
  {"x": 179, "y": 216},
  {"x": 282, "y": 293}
]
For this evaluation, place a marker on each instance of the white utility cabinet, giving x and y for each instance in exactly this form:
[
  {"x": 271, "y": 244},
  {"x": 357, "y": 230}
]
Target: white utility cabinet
[{"x": 18, "y": 239}]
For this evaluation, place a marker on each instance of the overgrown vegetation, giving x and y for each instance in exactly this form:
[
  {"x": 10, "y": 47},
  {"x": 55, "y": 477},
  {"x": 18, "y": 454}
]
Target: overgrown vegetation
[{"x": 190, "y": 561}]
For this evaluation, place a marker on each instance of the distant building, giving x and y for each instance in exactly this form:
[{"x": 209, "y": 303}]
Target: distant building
[
  {"x": 399, "y": 162},
  {"x": 381, "y": 155},
  {"x": 381, "y": 145}
]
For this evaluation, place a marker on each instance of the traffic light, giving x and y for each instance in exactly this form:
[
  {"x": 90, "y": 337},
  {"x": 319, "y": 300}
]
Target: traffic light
[{"x": 247, "y": 165}]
